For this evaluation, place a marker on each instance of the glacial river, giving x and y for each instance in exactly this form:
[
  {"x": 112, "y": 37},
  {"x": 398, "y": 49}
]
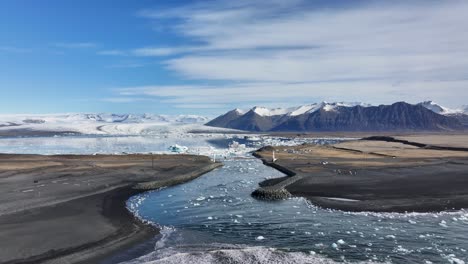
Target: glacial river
[{"x": 213, "y": 219}]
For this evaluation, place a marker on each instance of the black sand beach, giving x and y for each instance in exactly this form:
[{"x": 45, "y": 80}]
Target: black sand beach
[
  {"x": 71, "y": 209},
  {"x": 370, "y": 176}
]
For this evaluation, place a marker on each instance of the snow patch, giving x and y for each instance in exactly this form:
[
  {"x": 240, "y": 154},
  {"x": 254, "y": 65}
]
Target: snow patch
[
  {"x": 304, "y": 109},
  {"x": 438, "y": 109},
  {"x": 263, "y": 111}
]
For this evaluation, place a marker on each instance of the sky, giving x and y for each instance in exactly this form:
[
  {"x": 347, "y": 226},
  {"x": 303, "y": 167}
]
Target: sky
[{"x": 207, "y": 57}]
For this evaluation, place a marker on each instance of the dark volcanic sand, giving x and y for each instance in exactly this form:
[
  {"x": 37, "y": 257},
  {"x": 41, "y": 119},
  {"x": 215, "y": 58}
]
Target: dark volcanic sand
[
  {"x": 71, "y": 209},
  {"x": 421, "y": 180}
]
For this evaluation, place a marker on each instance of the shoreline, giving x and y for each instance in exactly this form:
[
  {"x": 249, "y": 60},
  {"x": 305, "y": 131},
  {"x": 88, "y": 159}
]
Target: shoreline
[
  {"x": 130, "y": 231},
  {"x": 365, "y": 175},
  {"x": 89, "y": 228}
]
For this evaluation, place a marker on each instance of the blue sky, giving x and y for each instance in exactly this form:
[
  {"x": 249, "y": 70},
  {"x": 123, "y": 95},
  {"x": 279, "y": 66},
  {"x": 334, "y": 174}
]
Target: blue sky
[{"x": 205, "y": 57}]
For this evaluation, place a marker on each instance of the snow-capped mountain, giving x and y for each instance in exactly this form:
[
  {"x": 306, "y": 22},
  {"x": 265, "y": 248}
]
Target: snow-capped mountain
[
  {"x": 338, "y": 116},
  {"x": 436, "y": 108},
  {"x": 464, "y": 109},
  {"x": 461, "y": 114},
  {"x": 299, "y": 110}
]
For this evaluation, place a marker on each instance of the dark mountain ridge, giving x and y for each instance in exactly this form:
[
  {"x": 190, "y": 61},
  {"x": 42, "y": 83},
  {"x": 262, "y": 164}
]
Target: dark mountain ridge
[{"x": 399, "y": 116}]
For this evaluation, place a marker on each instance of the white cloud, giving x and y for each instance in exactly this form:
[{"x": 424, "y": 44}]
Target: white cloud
[
  {"x": 200, "y": 106},
  {"x": 290, "y": 50},
  {"x": 372, "y": 91},
  {"x": 155, "y": 52},
  {"x": 113, "y": 52},
  {"x": 124, "y": 99}
]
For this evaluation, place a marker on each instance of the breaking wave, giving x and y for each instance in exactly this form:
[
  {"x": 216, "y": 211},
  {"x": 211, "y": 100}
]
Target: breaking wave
[
  {"x": 167, "y": 252},
  {"x": 229, "y": 254}
]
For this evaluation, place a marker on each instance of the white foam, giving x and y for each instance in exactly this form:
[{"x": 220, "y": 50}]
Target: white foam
[{"x": 246, "y": 255}]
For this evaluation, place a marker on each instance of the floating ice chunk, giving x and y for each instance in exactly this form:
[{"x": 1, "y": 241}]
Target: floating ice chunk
[
  {"x": 403, "y": 250},
  {"x": 341, "y": 242},
  {"x": 390, "y": 237},
  {"x": 412, "y": 222},
  {"x": 210, "y": 218},
  {"x": 457, "y": 261},
  {"x": 335, "y": 246},
  {"x": 259, "y": 238},
  {"x": 201, "y": 198},
  {"x": 196, "y": 204},
  {"x": 443, "y": 223},
  {"x": 312, "y": 252},
  {"x": 239, "y": 216},
  {"x": 453, "y": 260}
]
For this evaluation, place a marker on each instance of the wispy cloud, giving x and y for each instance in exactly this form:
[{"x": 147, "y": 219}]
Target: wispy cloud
[
  {"x": 75, "y": 45},
  {"x": 113, "y": 52},
  {"x": 156, "y": 52},
  {"x": 291, "y": 50},
  {"x": 372, "y": 91},
  {"x": 201, "y": 106},
  {"x": 125, "y": 99},
  {"x": 144, "y": 52}
]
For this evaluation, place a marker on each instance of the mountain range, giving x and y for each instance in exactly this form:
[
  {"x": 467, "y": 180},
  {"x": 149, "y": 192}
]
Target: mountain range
[{"x": 400, "y": 116}]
